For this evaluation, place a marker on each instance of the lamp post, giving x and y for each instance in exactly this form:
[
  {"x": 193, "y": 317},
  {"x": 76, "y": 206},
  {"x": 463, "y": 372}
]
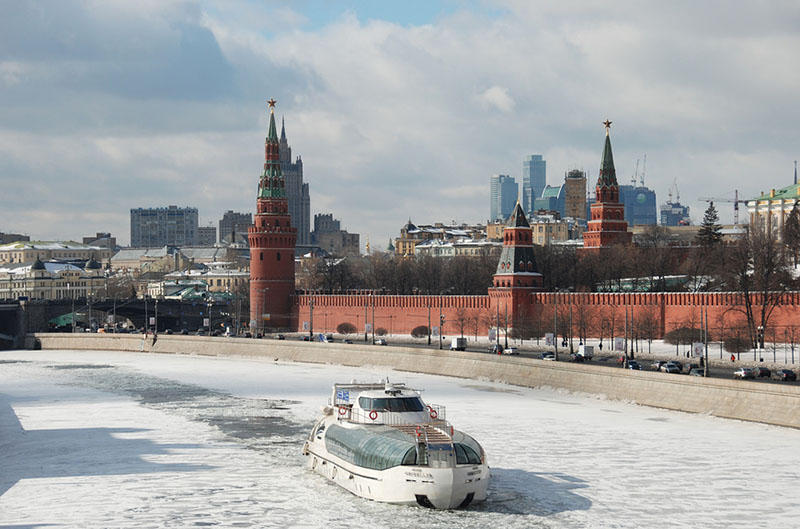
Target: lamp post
[
  {"x": 372, "y": 298},
  {"x": 366, "y": 304},
  {"x": 311, "y": 317}
]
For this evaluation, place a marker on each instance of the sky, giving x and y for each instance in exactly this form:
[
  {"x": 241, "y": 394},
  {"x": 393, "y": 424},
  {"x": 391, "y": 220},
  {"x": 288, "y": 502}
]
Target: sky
[{"x": 399, "y": 110}]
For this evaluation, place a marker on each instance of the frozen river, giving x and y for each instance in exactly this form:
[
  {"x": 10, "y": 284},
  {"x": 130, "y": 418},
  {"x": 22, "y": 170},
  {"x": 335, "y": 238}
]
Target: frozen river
[{"x": 96, "y": 439}]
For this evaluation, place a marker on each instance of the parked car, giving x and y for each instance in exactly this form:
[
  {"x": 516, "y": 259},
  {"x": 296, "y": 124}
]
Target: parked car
[
  {"x": 496, "y": 348},
  {"x": 633, "y": 364},
  {"x": 168, "y": 331},
  {"x": 576, "y": 357},
  {"x": 548, "y": 356},
  {"x": 511, "y": 351},
  {"x": 671, "y": 367},
  {"x": 184, "y": 331},
  {"x": 784, "y": 375},
  {"x": 305, "y": 338},
  {"x": 692, "y": 366},
  {"x": 697, "y": 372},
  {"x": 348, "y": 340},
  {"x": 762, "y": 372},
  {"x": 380, "y": 341},
  {"x": 744, "y": 373},
  {"x": 201, "y": 332},
  {"x": 656, "y": 366}
]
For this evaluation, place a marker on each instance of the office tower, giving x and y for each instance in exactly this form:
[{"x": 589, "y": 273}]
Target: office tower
[
  {"x": 534, "y": 178},
  {"x": 170, "y": 226},
  {"x": 503, "y": 192}
]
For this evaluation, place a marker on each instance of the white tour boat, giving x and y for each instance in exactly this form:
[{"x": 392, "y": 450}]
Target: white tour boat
[{"x": 382, "y": 442}]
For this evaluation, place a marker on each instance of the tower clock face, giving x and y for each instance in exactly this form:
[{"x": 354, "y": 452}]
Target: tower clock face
[{"x": 641, "y": 198}]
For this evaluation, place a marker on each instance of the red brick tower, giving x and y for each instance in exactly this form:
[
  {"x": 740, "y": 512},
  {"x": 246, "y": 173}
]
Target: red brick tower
[
  {"x": 607, "y": 225},
  {"x": 272, "y": 241},
  {"x": 517, "y": 274}
]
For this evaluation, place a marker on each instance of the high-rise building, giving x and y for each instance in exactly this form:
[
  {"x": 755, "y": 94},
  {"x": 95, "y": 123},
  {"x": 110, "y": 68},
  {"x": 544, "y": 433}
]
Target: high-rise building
[
  {"x": 534, "y": 178},
  {"x": 296, "y": 190},
  {"x": 503, "y": 193},
  {"x": 675, "y": 214},
  {"x": 606, "y": 226},
  {"x": 575, "y": 191},
  {"x": 640, "y": 205},
  {"x": 553, "y": 198},
  {"x": 170, "y": 226},
  {"x": 272, "y": 243},
  {"x": 233, "y": 227},
  {"x": 206, "y": 236},
  {"x": 329, "y": 236}
]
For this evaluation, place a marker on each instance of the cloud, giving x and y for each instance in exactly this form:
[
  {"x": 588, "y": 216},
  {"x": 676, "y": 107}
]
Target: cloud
[
  {"x": 497, "y": 97},
  {"x": 105, "y": 106}
]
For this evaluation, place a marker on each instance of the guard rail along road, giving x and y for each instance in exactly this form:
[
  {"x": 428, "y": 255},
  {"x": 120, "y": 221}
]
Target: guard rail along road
[{"x": 736, "y": 399}]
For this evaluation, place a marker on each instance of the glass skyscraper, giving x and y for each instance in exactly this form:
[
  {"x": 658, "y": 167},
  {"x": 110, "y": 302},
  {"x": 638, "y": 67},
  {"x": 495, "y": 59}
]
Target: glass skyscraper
[
  {"x": 534, "y": 178},
  {"x": 503, "y": 196}
]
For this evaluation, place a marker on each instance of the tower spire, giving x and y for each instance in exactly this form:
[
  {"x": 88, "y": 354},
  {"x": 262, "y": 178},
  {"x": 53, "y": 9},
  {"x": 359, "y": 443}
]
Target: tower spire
[
  {"x": 271, "y": 184},
  {"x": 283, "y": 129},
  {"x": 608, "y": 174}
]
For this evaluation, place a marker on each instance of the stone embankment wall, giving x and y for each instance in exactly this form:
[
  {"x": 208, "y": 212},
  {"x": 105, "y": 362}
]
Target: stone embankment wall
[{"x": 769, "y": 403}]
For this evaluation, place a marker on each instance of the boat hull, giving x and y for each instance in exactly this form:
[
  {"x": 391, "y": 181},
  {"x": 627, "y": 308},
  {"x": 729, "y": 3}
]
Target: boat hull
[{"x": 439, "y": 488}]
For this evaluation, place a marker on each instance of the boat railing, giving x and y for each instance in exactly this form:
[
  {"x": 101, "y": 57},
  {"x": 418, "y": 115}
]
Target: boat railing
[{"x": 435, "y": 415}]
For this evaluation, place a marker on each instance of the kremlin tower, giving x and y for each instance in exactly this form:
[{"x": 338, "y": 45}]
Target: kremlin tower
[
  {"x": 272, "y": 243},
  {"x": 607, "y": 225}
]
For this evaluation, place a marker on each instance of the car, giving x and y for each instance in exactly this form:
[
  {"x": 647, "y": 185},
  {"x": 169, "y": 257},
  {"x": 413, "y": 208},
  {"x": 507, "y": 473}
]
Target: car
[
  {"x": 762, "y": 372},
  {"x": 201, "y": 332},
  {"x": 656, "y": 366},
  {"x": 496, "y": 348},
  {"x": 348, "y": 340},
  {"x": 744, "y": 373},
  {"x": 576, "y": 357},
  {"x": 548, "y": 356},
  {"x": 692, "y": 366},
  {"x": 784, "y": 375},
  {"x": 671, "y": 367},
  {"x": 168, "y": 331},
  {"x": 380, "y": 341},
  {"x": 184, "y": 332},
  {"x": 510, "y": 351},
  {"x": 633, "y": 364},
  {"x": 697, "y": 372},
  {"x": 305, "y": 339},
  {"x": 280, "y": 337},
  {"x": 329, "y": 337}
]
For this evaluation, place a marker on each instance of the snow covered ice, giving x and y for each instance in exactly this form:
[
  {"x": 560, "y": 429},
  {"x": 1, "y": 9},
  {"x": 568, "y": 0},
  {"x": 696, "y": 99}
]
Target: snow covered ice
[{"x": 102, "y": 439}]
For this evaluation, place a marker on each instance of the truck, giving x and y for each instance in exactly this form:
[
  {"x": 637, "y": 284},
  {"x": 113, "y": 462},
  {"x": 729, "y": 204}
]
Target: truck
[
  {"x": 458, "y": 344},
  {"x": 586, "y": 351}
]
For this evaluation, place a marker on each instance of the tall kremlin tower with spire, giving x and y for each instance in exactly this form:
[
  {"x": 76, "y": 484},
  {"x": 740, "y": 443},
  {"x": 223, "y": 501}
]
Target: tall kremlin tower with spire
[
  {"x": 272, "y": 242},
  {"x": 607, "y": 225}
]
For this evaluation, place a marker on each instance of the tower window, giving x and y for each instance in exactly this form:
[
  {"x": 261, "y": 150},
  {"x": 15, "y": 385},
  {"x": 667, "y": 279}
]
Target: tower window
[
  {"x": 261, "y": 256},
  {"x": 279, "y": 256}
]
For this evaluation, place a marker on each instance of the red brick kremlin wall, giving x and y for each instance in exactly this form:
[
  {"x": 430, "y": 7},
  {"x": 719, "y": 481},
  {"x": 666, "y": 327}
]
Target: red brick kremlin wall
[{"x": 597, "y": 311}]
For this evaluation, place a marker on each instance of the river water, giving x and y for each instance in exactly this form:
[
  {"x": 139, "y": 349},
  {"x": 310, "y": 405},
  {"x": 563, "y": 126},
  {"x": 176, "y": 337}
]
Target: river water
[{"x": 109, "y": 439}]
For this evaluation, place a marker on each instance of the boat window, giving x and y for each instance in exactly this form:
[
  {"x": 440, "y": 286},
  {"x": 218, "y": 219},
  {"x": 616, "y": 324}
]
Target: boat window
[
  {"x": 399, "y": 404},
  {"x": 466, "y": 455}
]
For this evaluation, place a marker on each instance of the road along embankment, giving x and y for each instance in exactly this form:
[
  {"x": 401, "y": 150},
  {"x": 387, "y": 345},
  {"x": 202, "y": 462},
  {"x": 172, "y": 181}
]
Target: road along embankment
[{"x": 736, "y": 399}]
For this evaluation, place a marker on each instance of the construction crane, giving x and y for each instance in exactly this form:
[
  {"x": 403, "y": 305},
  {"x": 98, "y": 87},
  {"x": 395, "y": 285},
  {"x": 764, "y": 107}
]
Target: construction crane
[{"x": 735, "y": 202}]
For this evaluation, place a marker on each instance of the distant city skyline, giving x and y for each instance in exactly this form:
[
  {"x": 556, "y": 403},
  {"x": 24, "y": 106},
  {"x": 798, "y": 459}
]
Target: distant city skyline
[{"x": 398, "y": 110}]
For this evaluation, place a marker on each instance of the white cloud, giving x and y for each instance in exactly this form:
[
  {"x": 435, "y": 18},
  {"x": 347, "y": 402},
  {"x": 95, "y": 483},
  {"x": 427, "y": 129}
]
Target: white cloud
[{"x": 497, "y": 97}]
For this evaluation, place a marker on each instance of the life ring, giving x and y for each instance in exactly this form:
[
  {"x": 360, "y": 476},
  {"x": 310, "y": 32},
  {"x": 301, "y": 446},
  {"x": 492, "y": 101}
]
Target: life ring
[
  {"x": 373, "y": 415},
  {"x": 434, "y": 413},
  {"x": 342, "y": 410}
]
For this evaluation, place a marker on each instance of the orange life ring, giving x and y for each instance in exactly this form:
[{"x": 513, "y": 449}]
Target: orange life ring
[
  {"x": 434, "y": 413},
  {"x": 373, "y": 415},
  {"x": 342, "y": 410}
]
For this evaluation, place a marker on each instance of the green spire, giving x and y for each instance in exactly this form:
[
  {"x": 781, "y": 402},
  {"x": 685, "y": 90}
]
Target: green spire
[
  {"x": 608, "y": 175},
  {"x": 273, "y": 132}
]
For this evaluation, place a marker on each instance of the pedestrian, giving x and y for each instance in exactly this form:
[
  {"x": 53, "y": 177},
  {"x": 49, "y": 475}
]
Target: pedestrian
[{"x": 733, "y": 358}]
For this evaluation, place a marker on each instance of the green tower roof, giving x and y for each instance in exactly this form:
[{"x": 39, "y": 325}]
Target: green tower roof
[{"x": 608, "y": 175}]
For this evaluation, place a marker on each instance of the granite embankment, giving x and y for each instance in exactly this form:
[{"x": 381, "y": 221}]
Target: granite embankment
[{"x": 768, "y": 403}]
